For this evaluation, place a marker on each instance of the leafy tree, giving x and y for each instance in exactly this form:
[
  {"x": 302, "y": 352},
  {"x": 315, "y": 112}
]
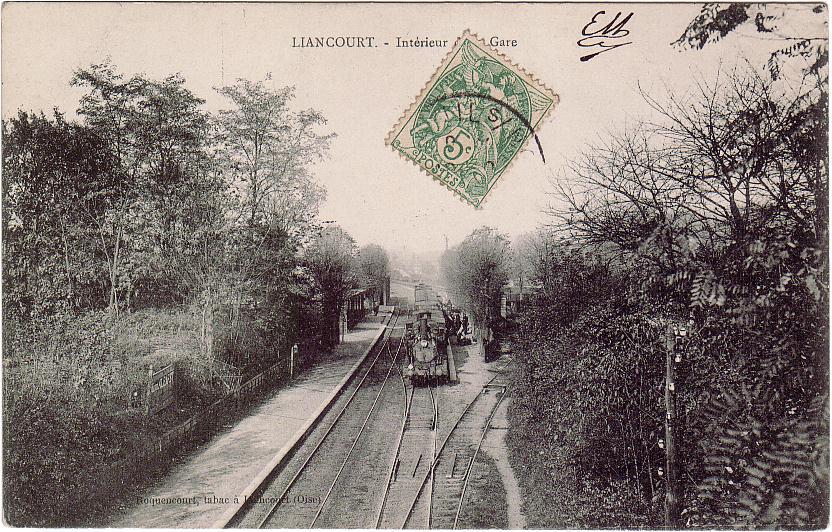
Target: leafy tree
[
  {"x": 692, "y": 195},
  {"x": 264, "y": 151},
  {"x": 145, "y": 202},
  {"x": 772, "y": 432},
  {"x": 715, "y": 213},
  {"x": 109, "y": 108},
  {"x": 477, "y": 269},
  {"x": 331, "y": 260},
  {"x": 52, "y": 171},
  {"x": 374, "y": 265},
  {"x": 158, "y": 137},
  {"x": 268, "y": 149},
  {"x": 181, "y": 184}
]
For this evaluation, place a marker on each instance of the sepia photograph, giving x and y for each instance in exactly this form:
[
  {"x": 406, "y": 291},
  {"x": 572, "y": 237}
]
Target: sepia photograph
[{"x": 451, "y": 265}]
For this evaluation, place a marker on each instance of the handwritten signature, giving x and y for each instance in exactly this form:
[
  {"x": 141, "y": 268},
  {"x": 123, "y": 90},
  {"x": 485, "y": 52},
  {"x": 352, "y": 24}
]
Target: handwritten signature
[{"x": 604, "y": 37}]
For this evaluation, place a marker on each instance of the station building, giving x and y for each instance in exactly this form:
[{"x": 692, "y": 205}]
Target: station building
[{"x": 362, "y": 301}]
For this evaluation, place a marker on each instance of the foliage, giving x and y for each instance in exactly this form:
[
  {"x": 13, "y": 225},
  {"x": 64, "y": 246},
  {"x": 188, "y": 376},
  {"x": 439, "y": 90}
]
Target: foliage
[
  {"x": 330, "y": 260},
  {"x": 711, "y": 216},
  {"x": 476, "y": 270},
  {"x": 156, "y": 135},
  {"x": 149, "y": 231},
  {"x": 808, "y": 43},
  {"x": 374, "y": 265},
  {"x": 51, "y": 170},
  {"x": 66, "y": 400},
  {"x": 592, "y": 369},
  {"x": 266, "y": 149}
]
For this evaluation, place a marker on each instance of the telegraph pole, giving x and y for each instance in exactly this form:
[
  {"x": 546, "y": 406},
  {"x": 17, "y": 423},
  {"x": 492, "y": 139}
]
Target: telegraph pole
[{"x": 672, "y": 516}]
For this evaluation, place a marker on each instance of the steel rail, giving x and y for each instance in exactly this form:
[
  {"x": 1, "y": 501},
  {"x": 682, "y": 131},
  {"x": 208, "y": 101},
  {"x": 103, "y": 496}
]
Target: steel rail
[
  {"x": 405, "y": 415},
  {"x": 442, "y": 448},
  {"x": 474, "y": 458},
  {"x": 299, "y": 472},
  {"x": 357, "y": 436},
  {"x": 433, "y": 453},
  {"x": 431, "y": 464}
]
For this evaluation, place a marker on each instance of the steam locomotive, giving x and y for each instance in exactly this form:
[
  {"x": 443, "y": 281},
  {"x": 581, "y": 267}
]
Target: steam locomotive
[{"x": 427, "y": 341}]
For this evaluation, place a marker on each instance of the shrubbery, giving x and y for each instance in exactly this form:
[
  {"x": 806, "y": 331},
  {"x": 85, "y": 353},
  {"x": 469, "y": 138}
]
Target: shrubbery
[
  {"x": 66, "y": 391},
  {"x": 753, "y": 444},
  {"x": 729, "y": 261}
]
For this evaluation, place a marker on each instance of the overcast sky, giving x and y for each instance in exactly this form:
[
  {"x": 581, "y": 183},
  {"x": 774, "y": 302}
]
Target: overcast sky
[{"x": 372, "y": 193}]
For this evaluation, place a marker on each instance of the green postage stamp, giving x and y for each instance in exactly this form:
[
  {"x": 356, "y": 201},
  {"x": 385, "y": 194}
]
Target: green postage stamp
[{"x": 472, "y": 119}]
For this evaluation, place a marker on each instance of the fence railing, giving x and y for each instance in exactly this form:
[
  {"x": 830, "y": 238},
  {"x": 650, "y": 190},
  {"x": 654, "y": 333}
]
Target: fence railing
[{"x": 122, "y": 472}]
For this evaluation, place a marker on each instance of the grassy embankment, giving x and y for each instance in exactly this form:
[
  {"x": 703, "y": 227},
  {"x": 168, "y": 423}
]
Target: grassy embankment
[
  {"x": 68, "y": 417},
  {"x": 485, "y": 500}
]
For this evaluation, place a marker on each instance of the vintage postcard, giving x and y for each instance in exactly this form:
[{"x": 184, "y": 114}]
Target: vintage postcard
[{"x": 415, "y": 265}]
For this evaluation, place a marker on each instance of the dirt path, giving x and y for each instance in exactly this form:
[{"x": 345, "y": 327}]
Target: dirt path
[{"x": 495, "y": 446}]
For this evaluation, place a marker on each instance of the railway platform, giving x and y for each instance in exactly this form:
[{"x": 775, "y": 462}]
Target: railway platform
[
  {"x": 452, "y": 377},
  {"x": 209, "y": 484}
]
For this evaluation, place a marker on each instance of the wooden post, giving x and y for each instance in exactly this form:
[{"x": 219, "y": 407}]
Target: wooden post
[
  {"x": 672, "y": 516},
  {"x": 453, "y": 466},
  {"x": 292, "y": 353}
]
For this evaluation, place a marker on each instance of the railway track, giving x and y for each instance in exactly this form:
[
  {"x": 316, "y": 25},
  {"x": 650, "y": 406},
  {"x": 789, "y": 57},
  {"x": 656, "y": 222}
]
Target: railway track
[
  {"x": 451, "y": 486},
  {"x": 433, "y": 495},
  {"x": 353, "y": 488},
  {"x": 414, "y": 456},
  {"x": 326, "y": 476},
  {"x": 355, "y": 472},
  {"x": 442, "y": 489}
]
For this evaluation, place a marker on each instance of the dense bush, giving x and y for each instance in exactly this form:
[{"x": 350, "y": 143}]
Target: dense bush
[
  {"x": 66, "y": 392},
  {"x": 591, "y": 380},
  {"x": 706, "y": 224},
  {"x": 753, "y": 438}
]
